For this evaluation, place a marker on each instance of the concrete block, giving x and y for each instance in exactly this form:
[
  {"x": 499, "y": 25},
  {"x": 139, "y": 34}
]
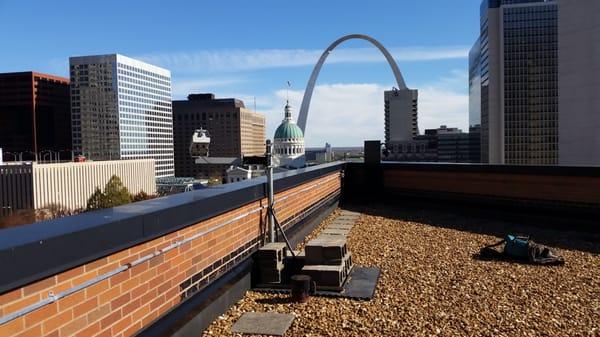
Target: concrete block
[
  {"x": 275, "y": 250},
  {"x": 326, "y": 249},
  {"x": 325, "y": 275},
  {"x": 347, "y": 264},
  {"x": 268, "y": 264},
  {"x": 270, "y": 275}
]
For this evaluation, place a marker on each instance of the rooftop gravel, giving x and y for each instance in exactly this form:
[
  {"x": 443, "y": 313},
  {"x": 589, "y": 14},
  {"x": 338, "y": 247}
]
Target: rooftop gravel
[{"x": 432, "y": 285}]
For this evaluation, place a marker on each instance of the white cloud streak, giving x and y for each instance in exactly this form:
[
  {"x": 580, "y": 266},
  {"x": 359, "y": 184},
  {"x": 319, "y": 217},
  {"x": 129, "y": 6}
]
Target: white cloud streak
[
  {"x": 182, "y": 88},
  {"x": 256, "y": 59}
]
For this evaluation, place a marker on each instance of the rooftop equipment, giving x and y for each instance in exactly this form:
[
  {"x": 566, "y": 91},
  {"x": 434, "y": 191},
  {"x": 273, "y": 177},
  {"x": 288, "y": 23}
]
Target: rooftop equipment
[{"x": 200, "y": 143}]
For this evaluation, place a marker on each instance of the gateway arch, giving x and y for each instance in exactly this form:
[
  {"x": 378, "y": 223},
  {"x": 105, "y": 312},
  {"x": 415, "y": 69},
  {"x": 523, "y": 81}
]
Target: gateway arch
[{"x": 303, "y": 115}]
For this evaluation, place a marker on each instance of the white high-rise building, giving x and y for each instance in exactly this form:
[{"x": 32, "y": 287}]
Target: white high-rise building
[
  {"x": 121, "y": 109},
  {"x": 401, "y": 115}
]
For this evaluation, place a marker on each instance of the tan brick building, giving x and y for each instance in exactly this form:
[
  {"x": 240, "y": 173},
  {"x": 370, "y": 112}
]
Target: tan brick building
[{"x": 35, "y": 186}]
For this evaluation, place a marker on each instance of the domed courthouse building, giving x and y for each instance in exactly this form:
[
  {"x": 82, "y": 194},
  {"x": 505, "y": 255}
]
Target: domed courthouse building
[{"x": 288, "y": 143}]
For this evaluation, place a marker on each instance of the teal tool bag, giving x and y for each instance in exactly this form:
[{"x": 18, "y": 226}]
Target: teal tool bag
[{"x": 516, "y": 246}]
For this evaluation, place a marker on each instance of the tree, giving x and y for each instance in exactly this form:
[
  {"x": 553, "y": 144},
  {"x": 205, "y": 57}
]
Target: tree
[
  {"x": 116, "y": 193},
  {"x": 141, "y": 196},
  {"x": 97, "y": 200}
]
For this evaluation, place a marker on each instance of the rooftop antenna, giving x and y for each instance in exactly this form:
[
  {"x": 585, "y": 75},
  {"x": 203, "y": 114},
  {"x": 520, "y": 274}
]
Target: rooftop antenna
[{"x": 287, "y": 91}]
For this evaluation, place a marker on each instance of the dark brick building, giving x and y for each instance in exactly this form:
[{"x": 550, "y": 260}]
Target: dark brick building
[
  {"x": 235, "y": 132},
  {"x": 34, "y": 114}
]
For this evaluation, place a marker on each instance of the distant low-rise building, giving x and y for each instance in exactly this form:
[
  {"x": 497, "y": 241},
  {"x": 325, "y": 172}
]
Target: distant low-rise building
[
  {"x": 36, "y": 186},
  {"x": 240, "y": 173},
  {"x": 421, "y": 149},
  {"x": 320, "y": 155},
  {"x": 443, "y": 144}
]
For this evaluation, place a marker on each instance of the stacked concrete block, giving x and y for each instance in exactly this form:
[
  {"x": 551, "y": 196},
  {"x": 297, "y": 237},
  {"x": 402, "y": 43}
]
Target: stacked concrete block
[
  {"x": 328, "y": 261},
  {"x": 269, "y": 262},
  {"x": 326, "y": 250}
]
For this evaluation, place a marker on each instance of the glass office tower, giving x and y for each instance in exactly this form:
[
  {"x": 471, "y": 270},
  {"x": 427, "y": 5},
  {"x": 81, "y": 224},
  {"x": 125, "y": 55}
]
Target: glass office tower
[
  {"x": 121, "y": 109},
  {"x": 518, "y": 58}
]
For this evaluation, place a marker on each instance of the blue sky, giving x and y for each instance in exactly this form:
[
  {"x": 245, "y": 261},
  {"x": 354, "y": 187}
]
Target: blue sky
[{"x": 249, "y": 49}]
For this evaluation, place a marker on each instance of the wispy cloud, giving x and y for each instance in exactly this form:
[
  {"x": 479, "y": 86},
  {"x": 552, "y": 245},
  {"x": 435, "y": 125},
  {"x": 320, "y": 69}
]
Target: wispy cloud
[
  {"x": 182, "y": 88},
  {"x": 255, "y": 59}
]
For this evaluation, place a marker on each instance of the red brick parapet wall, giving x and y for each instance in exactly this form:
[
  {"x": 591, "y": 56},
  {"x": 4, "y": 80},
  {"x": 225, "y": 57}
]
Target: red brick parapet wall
[{"x": 126, "y": 302}]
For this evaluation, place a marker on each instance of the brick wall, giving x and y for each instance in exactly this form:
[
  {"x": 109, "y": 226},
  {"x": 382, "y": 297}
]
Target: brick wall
[
  {"x": 127, "y": 301},
  {"x": 535, "y": 187}
]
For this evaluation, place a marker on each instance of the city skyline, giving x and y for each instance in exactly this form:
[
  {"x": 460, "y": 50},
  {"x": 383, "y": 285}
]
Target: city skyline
[
  {"x": 223, "y": 168},
  {"x": 204, "y": 56}
]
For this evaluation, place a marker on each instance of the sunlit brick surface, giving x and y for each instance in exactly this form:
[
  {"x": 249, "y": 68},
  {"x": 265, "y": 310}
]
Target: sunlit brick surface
[{"x": 130, "y": 300}]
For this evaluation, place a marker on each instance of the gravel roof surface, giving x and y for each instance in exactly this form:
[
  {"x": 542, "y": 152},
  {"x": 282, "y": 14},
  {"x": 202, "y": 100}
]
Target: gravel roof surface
[{"x": 432, "y": 285}]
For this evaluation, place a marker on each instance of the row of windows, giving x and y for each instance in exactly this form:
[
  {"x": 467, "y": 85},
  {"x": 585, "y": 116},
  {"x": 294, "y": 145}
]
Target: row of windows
[
  {"x": 158, "y": 127},
  {"x": 147, "y": 101},
  {"x": 517, "y": 39},
  {"x": 159, "y": 116},
  {"x": 514, "y": 136},
  {"x": 142, "y": 126},
  {"x": 159, "y": 157},
  {"x": 532, "y": 94},
  {"x": 129, "y": 149},
  {"x": 148, "y": 138},
  {"x": 289, "y": 151},
  {"x": 165, "y": 94},
  {"x": 91, "y": 65},
  {"x": 511, "y": 98},
  {"x": 527, "y": 35},
  {"x": 550, "y": 149},
  {"x": 529, "y": 12},
  {"x": 133, "y": 81},
  {"x": 143, "y": 71},
  {"x": 156, "y": 134},
  {"x": 137, "y": 93},
  {"x": 203, "y": 116},
  {"x": 144, "y": 106},
  {"x": 104, "y": 115},
  {"x": 136, "y": 75},
  {"x": 527, "y": 136},
  {"x": 528, "y": 72},
  {"x": 407, "y": 148},
  {"x": 527, "y": 153},
  {"x": 533, "y": 117}
]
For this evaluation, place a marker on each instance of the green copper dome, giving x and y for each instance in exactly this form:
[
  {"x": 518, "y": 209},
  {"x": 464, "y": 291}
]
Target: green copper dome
[{"x": 288, "y": 130}]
